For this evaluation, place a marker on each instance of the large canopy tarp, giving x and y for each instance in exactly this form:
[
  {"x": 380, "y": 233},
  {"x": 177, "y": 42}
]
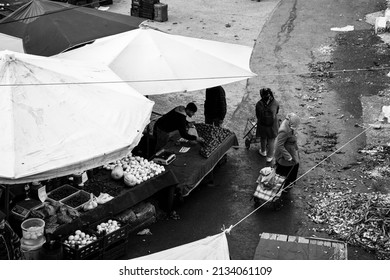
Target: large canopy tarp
[
  {"x": 58, "y": 117},
  {"x": 210, "y": 248},
  {"x": 48, "y": 27}
]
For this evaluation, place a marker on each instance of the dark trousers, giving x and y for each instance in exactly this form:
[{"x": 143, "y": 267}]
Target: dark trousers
[
  {"x": 214, "y": 121},
  {"x": 290, "y": 172}
]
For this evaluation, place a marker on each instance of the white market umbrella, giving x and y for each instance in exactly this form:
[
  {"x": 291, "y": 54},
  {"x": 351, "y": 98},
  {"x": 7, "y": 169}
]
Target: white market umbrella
[
  {"x": 154, "y": 62},
  {"x": 210, "y": 248},
  {"x": 11, "y": 43},
  {"x": 58, "y": 117}
]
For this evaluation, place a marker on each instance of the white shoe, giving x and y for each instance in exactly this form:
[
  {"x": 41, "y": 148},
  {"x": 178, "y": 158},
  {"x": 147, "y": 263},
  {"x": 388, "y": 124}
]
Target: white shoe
[
  {"x": 269, "y": 159},
  {"x": 264, "y": 154}
]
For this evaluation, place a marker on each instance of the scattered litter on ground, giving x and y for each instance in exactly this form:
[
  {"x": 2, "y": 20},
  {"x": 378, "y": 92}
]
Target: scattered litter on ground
[
  {"x": 343, "y": 29},
  {"x": 145, "y": 231},
  {"x": 361, "y": 219}
]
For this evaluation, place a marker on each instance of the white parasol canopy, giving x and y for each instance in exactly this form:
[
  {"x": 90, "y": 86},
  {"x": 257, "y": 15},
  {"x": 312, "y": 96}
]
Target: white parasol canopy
[
  {"x": 154, "y": 62},
  {"x": 58, "y": 117},
  {"x": 210, "y": 248},
  {"x": 11, "y": 43}
]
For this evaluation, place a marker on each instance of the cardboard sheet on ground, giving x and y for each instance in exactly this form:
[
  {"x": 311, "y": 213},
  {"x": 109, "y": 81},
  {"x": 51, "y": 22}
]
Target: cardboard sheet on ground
[
  {"x": 210, "y": 248},
  {"x": 58, "y": 117}
]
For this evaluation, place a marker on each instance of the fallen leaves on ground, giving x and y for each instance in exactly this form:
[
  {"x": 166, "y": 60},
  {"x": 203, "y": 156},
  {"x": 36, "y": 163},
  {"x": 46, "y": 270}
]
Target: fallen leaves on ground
[{"x": 361, "y": 219}]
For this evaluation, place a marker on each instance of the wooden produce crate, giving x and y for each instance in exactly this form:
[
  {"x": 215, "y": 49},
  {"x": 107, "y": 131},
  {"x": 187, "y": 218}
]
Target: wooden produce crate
[{"x": 274, "y": 246}]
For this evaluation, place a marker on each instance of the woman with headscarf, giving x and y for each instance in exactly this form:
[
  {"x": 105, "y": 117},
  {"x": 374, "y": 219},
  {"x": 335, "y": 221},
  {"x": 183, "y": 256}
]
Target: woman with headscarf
[
  {"x": 286, "y": 149},
  {"x": 267, "y": 109}
]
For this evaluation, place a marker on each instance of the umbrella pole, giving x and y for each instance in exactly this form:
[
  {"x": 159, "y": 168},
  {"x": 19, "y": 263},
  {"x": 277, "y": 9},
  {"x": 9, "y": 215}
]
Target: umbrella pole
[{"x": 5, "y": 200}]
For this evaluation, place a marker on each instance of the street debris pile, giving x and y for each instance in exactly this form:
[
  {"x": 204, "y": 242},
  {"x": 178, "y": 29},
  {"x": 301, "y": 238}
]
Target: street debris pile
[
  {"x": 321, "y": 69},
  {"x": 361, "y": 219}
]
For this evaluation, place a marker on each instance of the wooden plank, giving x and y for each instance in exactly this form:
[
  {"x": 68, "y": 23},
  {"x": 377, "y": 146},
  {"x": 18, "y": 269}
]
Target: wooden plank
[
  {"x": 292, "y": 238},
  {"x": 265, "y": 235},
  {"x": 303, "y": 240},
  {"x": 281, "y": 237},
  {"x": 272, "y": 236}
]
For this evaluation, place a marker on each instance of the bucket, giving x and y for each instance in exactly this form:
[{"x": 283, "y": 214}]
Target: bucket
[
  {"x": 33, "y": 228},
  {"x": 160, "y": 12}
]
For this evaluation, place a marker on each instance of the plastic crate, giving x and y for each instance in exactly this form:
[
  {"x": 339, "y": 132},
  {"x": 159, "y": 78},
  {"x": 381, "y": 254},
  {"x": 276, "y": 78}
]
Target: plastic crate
[
  {"x": 85, "y": 194},
  {"x": 115, "y": 236},
  {"x": 70, "y": 189},
  {"x": 115, "y": 250},
  {"x": 120, "y": 234},
  {"x": 92, "y": 251}
]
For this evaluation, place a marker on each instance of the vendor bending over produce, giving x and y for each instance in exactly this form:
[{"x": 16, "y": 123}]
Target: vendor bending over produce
[{"x": 176, "y": 119}]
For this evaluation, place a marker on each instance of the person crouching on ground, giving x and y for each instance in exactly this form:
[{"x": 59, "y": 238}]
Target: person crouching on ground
[
  {"x": 9, "y": 241},
  {"x": 267, "y": 109},
  {"x": 176, "y": 119},
  {"x": 215, "y": 106},
  {"x": 286, "y": 149}
]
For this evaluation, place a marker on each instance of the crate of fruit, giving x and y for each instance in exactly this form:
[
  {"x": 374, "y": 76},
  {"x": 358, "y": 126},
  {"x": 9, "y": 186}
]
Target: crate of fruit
[
  {"x": 111, "y": 231},
  {"x": 82, "y": 245},
  {"x": 62, "y": 192},
  {"x": 77, "y": 200}
]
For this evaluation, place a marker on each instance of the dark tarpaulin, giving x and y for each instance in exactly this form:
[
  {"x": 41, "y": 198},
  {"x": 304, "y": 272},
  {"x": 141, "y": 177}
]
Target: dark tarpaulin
[{"x": 49, "y": 28}]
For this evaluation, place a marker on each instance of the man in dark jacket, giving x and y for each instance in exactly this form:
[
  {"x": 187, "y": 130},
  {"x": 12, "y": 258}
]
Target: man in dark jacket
[
  {"x": 176, "y": 119},
  {"x": 9, "y": 241},
  {"x": 215, "y": 106},
  {"x": 267, "y": 109}
]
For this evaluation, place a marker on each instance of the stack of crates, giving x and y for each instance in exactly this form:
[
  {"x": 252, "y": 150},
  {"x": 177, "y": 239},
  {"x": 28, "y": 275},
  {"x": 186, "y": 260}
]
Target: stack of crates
[{"x": 143, "y": 8}]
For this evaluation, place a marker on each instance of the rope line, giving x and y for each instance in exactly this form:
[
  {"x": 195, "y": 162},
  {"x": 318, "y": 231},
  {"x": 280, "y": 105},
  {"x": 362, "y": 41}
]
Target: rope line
[
  {"x": 304, "y": 174},
  {"x": 190, "y": 79}
]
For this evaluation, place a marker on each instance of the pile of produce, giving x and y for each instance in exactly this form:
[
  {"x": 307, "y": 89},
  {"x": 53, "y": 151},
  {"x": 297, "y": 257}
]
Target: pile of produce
[
  {"x": 108, "y": 227},
  {"x": 361, "y": 219},
  {"x": 213, "y": 137},
  {"x": 134, "y": 170},
  {"x": 79, "y": 239},
  {"x": 55, "y": 214}
]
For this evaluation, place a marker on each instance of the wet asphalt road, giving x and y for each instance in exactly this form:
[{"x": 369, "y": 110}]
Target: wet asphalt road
[{"x": 284, "y": 45}]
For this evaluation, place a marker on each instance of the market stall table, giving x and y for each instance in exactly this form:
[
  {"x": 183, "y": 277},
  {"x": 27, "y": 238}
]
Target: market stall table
[
  {"x": 190, "y": 168},
  {"x": 164, "y": 184}
]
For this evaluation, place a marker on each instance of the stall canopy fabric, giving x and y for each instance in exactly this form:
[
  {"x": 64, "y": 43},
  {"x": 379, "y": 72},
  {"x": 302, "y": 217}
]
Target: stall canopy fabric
[
  {"x": 210, "y": 248},
  {"x": 58, "y": 117},
  {"x": 48, "y": 28},
  {"x": 154, "y": 62},
  {"x": 11, "y": 43}
]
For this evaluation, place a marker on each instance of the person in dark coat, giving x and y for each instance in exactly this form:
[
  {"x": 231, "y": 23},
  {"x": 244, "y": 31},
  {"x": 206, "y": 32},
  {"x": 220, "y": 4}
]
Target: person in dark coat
[
  {"x": 176, "y": 119},
  {"x": 267, "y": 109},
  {"x": 215, "y": 106},
  {"x": 9, "y": 241},
  {"x": 286, "y": 149}
]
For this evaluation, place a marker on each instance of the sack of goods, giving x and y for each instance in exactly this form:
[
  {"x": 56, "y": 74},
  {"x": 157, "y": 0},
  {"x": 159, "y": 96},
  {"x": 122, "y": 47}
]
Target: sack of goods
[{"x": 269, "y": 179}]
